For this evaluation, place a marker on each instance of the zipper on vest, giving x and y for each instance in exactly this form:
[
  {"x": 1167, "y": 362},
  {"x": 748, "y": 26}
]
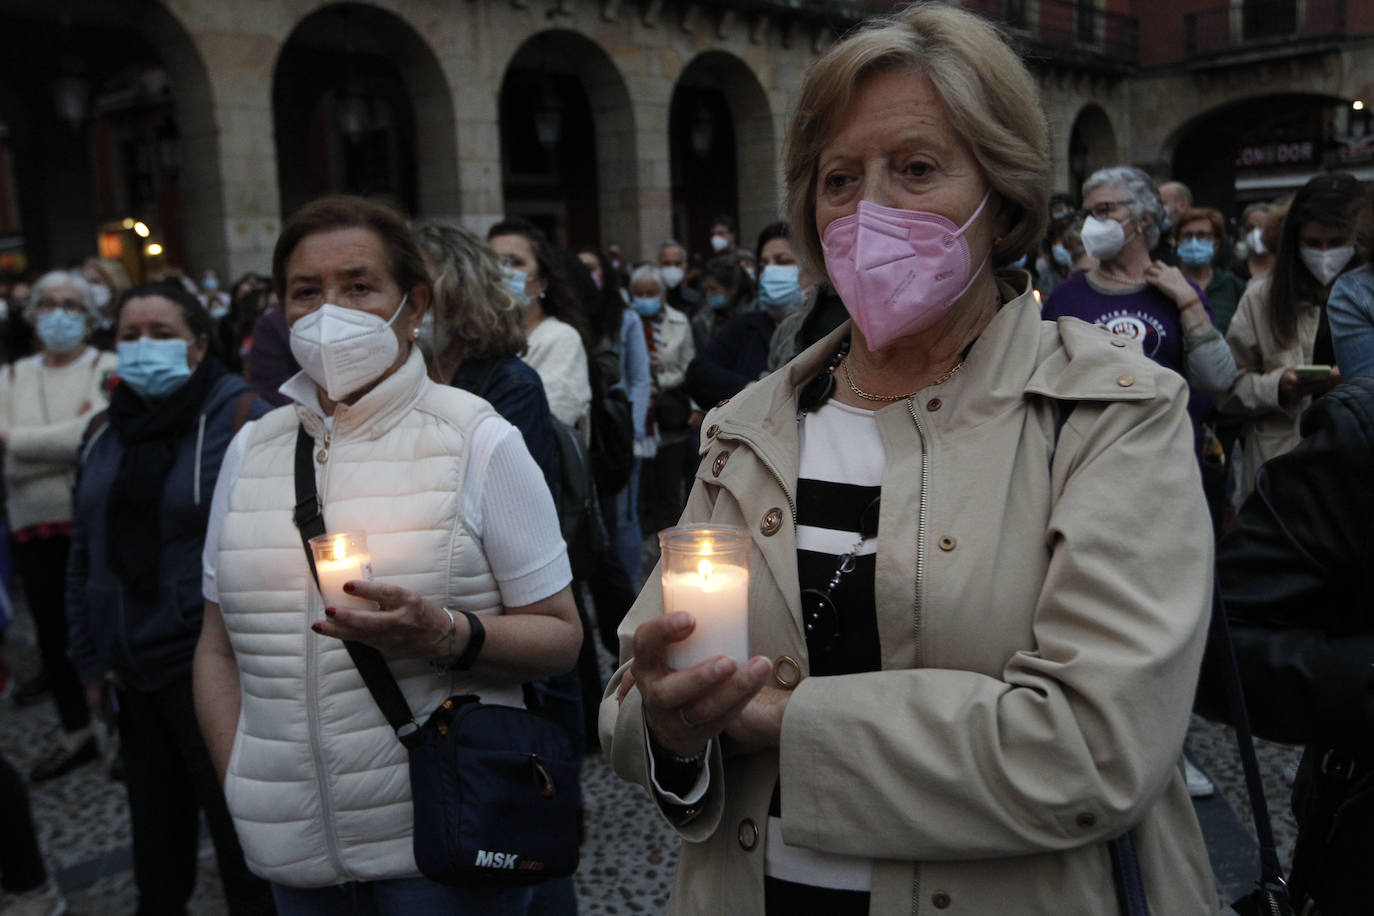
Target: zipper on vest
[
  {"x": 314, "y": 646},
  {"x": 323, "y": 454}
]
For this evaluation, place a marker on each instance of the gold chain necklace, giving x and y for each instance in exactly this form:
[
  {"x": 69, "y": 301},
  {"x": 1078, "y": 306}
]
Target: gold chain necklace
[{"x": 885, "y": 398}]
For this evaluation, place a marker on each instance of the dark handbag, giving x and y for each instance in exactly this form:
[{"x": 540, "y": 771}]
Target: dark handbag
[{"x": 495, "y": 788}]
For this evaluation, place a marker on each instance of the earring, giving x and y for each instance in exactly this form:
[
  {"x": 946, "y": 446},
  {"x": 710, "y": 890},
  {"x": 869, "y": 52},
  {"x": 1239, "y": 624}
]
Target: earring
[{"x": 414, "y": 333}]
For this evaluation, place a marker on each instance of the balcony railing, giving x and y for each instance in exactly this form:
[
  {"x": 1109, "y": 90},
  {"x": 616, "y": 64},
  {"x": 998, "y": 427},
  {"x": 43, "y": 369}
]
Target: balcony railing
[
  {"x": 1068, "y": 29},
  {"x": 1261, "y": 23}
]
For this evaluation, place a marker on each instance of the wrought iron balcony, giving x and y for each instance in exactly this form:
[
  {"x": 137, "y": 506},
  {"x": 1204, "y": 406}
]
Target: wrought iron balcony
[
  {"x": 1258, "y": 24},
  {"x": 1068, "y": 30}
]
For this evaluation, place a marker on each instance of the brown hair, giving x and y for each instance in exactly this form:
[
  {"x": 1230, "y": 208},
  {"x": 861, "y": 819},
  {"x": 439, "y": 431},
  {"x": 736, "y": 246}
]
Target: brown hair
[
  {"x": 343, "y": 212},
  {"x": 1327, "y": 200},
  {"x": 987, "y": 91},
  {"x": 1212, "y": 216}
]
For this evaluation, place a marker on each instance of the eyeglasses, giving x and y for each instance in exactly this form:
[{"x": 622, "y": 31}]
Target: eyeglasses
[
  {"x": 1104, "y": 209},
  {"x": 67, "y": 305}
]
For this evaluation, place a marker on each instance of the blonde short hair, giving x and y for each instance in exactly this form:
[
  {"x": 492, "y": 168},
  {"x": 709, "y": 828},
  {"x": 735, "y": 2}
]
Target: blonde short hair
[
  {"x": 991, "y": 99},
  {"x": 471, "y": 306}
]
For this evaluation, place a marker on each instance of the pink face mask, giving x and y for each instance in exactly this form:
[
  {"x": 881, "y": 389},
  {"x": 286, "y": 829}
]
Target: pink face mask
[{"x": 898, "y": 271}]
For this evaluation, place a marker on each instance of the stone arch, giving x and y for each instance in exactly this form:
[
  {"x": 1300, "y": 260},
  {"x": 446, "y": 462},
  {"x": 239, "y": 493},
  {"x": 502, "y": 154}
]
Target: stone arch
[
  {"x": 361, "y": 104},
  {"x": 1258, "y": 147},
  {"x": 558, "y": 75},
  {"x": 714, "y": 82},
  {"x": 92, "y": 42},
  {"x": 1092, "y": 145}
]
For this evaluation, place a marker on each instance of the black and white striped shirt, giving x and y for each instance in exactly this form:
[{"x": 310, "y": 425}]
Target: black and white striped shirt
[{"x": 841, "y": 474}]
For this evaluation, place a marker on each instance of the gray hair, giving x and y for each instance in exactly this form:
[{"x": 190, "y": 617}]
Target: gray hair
[
  {"x": 673, "y": 243},
  {"x": 57, "y": 278},
  {"x": 1144, "y": 197},
  {"x": 648, "y": 272}
]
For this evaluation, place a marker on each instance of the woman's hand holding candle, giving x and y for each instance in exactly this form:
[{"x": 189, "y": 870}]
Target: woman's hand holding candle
[
  {"x": 685, "y": 709},
  {"x": 395, "y": 621}
]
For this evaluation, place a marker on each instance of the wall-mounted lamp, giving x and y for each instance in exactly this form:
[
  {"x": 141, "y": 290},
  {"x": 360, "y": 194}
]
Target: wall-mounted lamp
[{"x": 152, "y": 249}]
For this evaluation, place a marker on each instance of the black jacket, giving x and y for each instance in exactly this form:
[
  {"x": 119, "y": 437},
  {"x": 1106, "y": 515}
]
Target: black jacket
[{"x": 1297, "y": 573}]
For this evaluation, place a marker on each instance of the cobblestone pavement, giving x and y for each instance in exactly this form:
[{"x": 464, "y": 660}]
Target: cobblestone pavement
[{"x": 627, "y": 861}]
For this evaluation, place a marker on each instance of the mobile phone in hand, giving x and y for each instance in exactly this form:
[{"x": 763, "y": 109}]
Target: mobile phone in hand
[{"x": 1312, "y": 373}]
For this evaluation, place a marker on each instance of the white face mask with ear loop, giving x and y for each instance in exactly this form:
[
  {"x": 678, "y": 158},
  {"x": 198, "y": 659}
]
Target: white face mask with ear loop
[{"x": 344, "y": 349}]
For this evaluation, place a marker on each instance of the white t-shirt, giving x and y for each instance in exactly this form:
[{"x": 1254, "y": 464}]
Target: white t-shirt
[{"x": 506, "y": 504}]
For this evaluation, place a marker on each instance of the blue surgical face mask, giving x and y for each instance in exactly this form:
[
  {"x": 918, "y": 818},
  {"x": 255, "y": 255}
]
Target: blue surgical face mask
[
  {"x": 153, "y": 368},
  {"x": 780, "y": 287},
  {"x": 717, "y": 302},
  {"x": 1061, "y": 256},
  {"x": 61, "y": 331},
  {"x": 1195, "y": 252},
  {"x": 514, "y": 282},
  {"x": 647, "y": 307}
]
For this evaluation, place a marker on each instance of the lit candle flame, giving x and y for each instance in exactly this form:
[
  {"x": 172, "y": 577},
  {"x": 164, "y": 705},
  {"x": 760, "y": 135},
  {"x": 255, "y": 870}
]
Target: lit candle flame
[
  {"x": 340, "y": 548},
  {"x": 705, "y": 570}
]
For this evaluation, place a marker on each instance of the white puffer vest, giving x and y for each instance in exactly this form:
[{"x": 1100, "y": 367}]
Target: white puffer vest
[{"x": 317, "y": 783}]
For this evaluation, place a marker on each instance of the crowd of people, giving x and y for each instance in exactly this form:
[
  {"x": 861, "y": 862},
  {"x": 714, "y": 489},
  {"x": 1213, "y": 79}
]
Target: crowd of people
[{"x": 985, "y": 440}]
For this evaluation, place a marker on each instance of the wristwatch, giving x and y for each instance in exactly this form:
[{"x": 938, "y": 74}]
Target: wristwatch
[{"x": 477, "y": 635}]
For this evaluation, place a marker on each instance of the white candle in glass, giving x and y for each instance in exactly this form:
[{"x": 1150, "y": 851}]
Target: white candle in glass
[
  {"x": 338, "y": 560},
  {"x": 717, "y": 597}
]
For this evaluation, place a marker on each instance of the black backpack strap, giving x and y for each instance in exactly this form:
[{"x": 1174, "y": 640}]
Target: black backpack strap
[{"x": 381, "y": 683}]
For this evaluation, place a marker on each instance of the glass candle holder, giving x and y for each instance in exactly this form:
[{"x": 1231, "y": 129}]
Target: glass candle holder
[
  {"x": 706, "y": 574},
  {"x": 341, "y": 557}
]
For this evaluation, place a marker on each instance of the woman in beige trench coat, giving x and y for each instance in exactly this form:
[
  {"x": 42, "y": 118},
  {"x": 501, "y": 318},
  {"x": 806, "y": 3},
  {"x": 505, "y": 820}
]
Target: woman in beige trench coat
[{"x": 980, "y": 556}]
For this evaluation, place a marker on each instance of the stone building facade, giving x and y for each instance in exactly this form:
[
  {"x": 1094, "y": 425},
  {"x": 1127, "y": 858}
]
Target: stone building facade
[{"x": 604, "y": 120}]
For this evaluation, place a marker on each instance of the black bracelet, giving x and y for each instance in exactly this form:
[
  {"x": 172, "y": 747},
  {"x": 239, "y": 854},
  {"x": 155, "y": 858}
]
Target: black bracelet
[{"x": 477, "y": 635}]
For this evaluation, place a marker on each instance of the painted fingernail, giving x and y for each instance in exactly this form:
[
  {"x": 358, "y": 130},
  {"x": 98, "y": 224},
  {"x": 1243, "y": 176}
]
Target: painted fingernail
[
  {"x": 724, "y": 666},
  {"x": 330, "y": 612},
  {"x": 317, "y": 628},
  {"x": 348, "y": 587}
]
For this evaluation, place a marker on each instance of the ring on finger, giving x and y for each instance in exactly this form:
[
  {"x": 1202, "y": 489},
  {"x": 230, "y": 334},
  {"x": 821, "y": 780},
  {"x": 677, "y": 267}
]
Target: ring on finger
[{"x": 682, "y": 714}]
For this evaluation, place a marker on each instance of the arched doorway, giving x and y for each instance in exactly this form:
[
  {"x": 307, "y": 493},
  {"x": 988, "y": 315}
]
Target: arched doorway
[
  {"x": 361, "y": 106},
  {"x": 1263, "y": 148},
  {"x": 568, "y": 161},
  {"x": 95, "y": 111},
  {"x": 1092, "y": 146},
  {"x": 724, "y": 155}
]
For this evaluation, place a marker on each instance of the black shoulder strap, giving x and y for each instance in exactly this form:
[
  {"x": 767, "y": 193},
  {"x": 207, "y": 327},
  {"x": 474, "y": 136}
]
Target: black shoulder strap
[
  {"x": 1271, "y": 873},
  {"x": 309, "y": 519}
]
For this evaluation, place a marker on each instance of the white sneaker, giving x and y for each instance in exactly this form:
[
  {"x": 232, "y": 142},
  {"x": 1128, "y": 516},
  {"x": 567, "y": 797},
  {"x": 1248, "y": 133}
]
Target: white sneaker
[
  {"x": 46, "y": 902},
  {"x": 1199, "y": 786}
]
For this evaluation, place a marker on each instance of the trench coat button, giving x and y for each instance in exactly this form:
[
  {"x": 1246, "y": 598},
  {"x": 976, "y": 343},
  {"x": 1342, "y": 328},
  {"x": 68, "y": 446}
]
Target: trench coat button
[
  {"x": 934, "y": 404},
  {"x": 719, "y": 464},
  {"x": 786, "y": 672},
  {"x": 1125, "y": 381},
  {"x": 712, "y": 430},
  {"x": 772, "y": 522},
  {"x": 748, "y": 834},
  {"x": 1086, "y": 819},
  {"x": 1118, "y": 342},
  {"x": 948, "y": 543},
  {"x": 940, "y": 899}
]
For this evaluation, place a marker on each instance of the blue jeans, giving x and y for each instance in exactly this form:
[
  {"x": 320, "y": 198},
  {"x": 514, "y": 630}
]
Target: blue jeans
[{"x": 400, "y": 897}]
